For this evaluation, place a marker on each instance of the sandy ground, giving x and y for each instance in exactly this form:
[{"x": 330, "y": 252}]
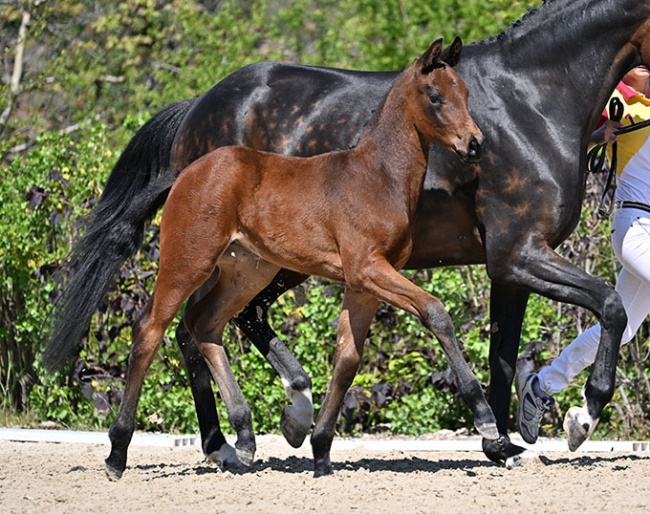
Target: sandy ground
[{"x": 69, "y": 478}]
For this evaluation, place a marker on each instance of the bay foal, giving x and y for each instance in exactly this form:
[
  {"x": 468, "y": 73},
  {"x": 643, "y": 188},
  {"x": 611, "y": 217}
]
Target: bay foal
[{"x": 342, "y": 215}]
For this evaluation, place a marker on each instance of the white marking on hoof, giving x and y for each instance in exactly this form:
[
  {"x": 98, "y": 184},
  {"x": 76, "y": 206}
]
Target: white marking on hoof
[
  {"x": 246, "y": 457},
  {"x": 225, "y": 457},
  {"x": 578, "y": 425},
  {"x": 488, "y": 430},
  {"x": 301, "y": 409},
  {"x": 521, "y": 459}
]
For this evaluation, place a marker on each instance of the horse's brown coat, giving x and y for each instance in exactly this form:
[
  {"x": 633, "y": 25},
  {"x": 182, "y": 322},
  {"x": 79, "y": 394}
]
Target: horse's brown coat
[{"x": 343, "y": 215}]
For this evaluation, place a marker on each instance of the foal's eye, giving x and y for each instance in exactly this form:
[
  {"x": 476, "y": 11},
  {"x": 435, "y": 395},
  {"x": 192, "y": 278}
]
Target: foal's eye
[{"x": 435, "y": 99}]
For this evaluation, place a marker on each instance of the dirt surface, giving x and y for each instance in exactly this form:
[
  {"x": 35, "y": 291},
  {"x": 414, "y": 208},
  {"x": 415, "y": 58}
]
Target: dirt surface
[{"x": 69, "y": 478}]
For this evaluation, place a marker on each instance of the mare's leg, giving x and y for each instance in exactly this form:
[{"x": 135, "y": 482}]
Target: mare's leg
[
  {"x": 538, "y": 268},
  {"x": 382, "y": 281},
  {"x": 296, "y": 418},
  {"x": 356, "y": 316},
  {"x": 242, "y": 276},
  {"x": 507, "y": 309}
]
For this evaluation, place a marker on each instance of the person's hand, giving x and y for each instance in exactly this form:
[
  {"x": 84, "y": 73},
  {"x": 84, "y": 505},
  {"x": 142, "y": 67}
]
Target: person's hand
[{"x": 606, "y": 132}]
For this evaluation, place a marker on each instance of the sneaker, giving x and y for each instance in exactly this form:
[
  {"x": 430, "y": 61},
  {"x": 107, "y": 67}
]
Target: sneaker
[{"x": 531, "y": 406}]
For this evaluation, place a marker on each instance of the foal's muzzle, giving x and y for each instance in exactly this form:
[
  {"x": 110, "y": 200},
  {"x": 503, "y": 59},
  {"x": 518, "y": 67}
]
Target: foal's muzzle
[{"x": 474, "y": 150}]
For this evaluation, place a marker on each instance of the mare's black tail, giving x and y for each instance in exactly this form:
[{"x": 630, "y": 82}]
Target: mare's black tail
[{"x": 137, "y": 187}]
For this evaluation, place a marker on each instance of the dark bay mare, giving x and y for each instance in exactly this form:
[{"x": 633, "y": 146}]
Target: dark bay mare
[
  {"x": 344, "y": 215},
  {"x": 537, "y": 91}
]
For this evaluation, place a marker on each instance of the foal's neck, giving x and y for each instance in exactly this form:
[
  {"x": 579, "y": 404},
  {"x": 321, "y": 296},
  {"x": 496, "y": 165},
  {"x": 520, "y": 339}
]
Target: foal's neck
[{"x": 392, "y": 137}]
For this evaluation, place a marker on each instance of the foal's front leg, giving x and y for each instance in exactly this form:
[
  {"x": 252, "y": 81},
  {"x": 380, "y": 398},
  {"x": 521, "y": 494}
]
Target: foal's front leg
[
  {"x": 382, "y": 281},
  {"x": 356, "y": 316}
]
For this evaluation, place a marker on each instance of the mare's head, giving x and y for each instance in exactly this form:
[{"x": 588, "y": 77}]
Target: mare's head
[{"x": 439, "y": 106}]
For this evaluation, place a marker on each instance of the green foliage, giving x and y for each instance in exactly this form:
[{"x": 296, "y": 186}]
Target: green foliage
[{"x": 95, "y": 71}]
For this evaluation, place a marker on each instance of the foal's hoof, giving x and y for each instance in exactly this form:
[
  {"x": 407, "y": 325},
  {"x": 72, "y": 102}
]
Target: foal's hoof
[
  {"x": 578, "y": 425},
  {"x": 294, "y": 431},
  {"x": 488, "y": 430},
  {"x": 113, "y": 474},
  {"x": 225, "y": 457},
  {"x": 246, "y": 457}
]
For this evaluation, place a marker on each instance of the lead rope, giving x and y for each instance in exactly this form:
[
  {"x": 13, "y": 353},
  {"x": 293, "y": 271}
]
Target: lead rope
[{"x": 597, "y": 155}]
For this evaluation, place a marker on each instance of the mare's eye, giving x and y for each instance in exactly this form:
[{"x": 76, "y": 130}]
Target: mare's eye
[{"x": 435, "y": 99}]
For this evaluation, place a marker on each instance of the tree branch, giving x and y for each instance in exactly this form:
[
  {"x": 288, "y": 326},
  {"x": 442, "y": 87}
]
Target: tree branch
[{"x": 17, "y": 74}]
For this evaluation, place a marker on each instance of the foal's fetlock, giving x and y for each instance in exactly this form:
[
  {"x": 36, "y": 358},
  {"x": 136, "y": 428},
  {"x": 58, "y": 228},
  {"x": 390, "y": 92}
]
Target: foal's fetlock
[
  {"x": 115, "y": 464},
  {"x": 321, "y": 443},
  {"x": 120, "y": 438}
]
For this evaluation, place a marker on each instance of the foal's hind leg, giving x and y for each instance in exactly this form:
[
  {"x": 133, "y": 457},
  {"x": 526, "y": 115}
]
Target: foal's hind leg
[
  {"x": 242, "y": 276},
  {"x": 214, "y": 444},
  {"x": 356, "y": 315},
  {"x": 148, "y": 332},
  {"x": 382, "y": 281}
]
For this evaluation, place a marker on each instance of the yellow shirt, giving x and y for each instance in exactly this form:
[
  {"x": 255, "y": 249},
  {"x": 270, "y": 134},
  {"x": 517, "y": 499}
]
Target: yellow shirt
[{"x": 636, "y": 108}]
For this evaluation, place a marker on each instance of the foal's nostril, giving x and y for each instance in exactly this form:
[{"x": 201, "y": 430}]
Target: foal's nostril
[{"x": 474, "y": 149}]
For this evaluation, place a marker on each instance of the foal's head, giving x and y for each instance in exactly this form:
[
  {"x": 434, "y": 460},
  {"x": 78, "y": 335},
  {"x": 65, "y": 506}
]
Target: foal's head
[{"x": 439, "y": 106}]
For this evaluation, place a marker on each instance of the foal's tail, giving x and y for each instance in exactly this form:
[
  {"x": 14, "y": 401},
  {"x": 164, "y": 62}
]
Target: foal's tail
[{"x": 137, "y": 187}]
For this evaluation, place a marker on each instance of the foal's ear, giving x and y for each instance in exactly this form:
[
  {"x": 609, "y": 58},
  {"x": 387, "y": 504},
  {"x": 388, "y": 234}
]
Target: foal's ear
[
  {"x": 451, "y": 54},
  {"x": 431, "y": 58}
]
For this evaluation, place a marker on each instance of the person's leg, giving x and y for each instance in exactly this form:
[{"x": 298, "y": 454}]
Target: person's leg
[
  {"x": 582, "y": 350},
  {"x": 631, "y": 244}
]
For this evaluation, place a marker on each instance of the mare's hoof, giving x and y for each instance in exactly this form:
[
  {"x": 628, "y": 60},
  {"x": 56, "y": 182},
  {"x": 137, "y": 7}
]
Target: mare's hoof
[
  {"x": 113, "y": 474},
  {"x": 521, "y": 459},
  {"x": 488, "y": 430},
  {"x": 225, "y": 457},
  {"x": 578, "y": 425},
  {"x": 246, "y": 457},
  {"x": 323, "y": 471},
  {"x": 294, "y": 431},
  {"x": 322, "y": 465}
]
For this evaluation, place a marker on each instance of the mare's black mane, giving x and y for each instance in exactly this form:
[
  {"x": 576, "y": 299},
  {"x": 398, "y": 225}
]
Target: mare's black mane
[{"x": 531, "y": 12}]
